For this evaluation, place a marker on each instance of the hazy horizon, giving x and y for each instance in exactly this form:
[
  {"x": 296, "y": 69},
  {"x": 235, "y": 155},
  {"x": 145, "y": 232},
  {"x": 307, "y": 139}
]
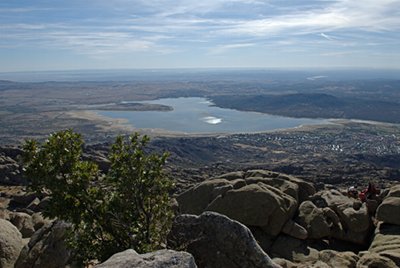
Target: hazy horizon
[
  {"x": 203, "y": 74},
  {"x": 47, "y": 35}
]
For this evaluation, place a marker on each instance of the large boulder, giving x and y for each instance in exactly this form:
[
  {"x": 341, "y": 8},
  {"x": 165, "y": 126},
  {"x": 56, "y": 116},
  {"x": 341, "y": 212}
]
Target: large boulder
[
  {"x": 10, "y": 244},
  {"x": 196, "y": 199},
  {"x": 284, "y": 186},
  {"x": 298, "y": 253},
  {"x": 294, "y": 229},
  {"x": 304, "y": 189},
  {"x": 39, "y": 221},
  {"x": 10, "y": 171},
  {"x": 338, "y": 259},
  {"x": 232, "y": 175},
  {"x": 376, "y": 261},
  {"x": 293, "y": 249},
  {"x": 386, "y": 242},
  {"x": 256, "y": 205},
  {"x": 217, "y": 241},
  {"x": 394, "y": 191},
  {"x": 257, "y": 198},
  {"x": 355, "y": 225},
  {"x": 23, "y": 222},
  {"x": 336, "y": 200},
  {"x": 313, "y": 220},
  {"x": 4, "y": 214},
  {"x": 158, "y": 259},
  {"x": 389, "y": 210},
  {"x": 46, "y": 248}
]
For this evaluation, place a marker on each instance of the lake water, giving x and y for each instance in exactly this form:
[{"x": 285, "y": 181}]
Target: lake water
[{"x": 198, "y": 115}]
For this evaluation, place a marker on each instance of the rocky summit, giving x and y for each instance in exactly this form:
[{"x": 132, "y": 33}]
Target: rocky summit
[
  {"x": 297, "y": 225},
  {"x": 252, "y": 218}
]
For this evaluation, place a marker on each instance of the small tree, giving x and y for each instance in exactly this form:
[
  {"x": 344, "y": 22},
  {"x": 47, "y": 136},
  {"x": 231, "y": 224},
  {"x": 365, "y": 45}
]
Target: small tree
[{"x": 129, "y": 207}]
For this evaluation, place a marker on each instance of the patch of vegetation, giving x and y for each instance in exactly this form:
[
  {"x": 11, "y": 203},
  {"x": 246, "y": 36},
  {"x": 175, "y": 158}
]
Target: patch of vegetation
[{"x": 129, "y": 207}]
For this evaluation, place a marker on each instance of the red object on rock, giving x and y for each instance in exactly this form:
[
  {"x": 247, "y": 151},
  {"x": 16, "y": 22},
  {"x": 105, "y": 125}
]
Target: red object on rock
[{"x": 362, "y": 196}]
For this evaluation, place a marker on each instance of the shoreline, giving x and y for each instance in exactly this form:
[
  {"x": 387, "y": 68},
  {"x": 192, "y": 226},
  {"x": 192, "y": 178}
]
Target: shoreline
[{"x": 108, "y": 124}]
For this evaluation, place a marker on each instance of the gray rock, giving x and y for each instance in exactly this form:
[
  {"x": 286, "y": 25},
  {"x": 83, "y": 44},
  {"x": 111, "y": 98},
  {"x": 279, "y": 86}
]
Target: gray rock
[
  {"x": 386, "y": 242},
  {"x": 389, "y": 210},
  {"x": 305, "y": 189},
  {"x": 285, "y": 186},
  {"x": 355, "y": 220},
  {"x": 258, "y": 198},
  {"x": 293, "y": 229},
  {"x": 10, "y": 171},
  {"x": 256, "y": 205},
  {"x": 331, "y": 217},
  {"x": 34, "y": 205},
  {"x": 285, "y": 263},
  {"x": 217, "y": 241},
  {"x": 293, "y": 249},
  {"x": 376, "y": 261},
  {"x": 338, "y": 259},
  {"x": 23, "y": 222},
  {"x": 4, "y": 214},
  {"x": 394, "y": 191},
  {"x": 39, "y": 221},
  {"x": 196, "y": 199},
  {"x": 355, "y": 225},
  {"x": 10, "y": 244},
  {"x": 46, "y": 248},
  {"x": 232, "y": 175},
  {"x": 158, "y": 259},
  {"x": 336, "y": 200},
  {"x": 313, "y": 220}
]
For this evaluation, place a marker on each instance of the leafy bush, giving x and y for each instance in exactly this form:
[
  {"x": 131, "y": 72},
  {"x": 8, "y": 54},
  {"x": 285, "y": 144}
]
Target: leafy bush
[{"x": 129, "y": 207}]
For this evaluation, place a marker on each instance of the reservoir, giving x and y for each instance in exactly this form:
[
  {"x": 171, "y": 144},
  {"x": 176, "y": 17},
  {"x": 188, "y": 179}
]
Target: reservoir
[{"x": 199, "y": 115}]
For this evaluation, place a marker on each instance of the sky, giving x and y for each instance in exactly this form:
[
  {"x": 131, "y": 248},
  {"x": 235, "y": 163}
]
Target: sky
[{"x": 38, "y": 35}]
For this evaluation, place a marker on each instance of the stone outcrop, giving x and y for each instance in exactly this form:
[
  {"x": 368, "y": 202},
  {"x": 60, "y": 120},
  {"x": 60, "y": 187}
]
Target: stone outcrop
[
  {"x": 376, "y": 261},
  {"x": 264, "y": 206},
  {"x": 291, "y": 252},
  {"x": 348, "y": 222},
  {"x": 46, "y": 248},
  {"x": 217, "y": 241},
  {"x": 292, "y": 249},
  {"x": 313, "y": 220},
  {"x": 356, "y": 225},
  {"x": 305, "y": 189},
  {"x": 295, "y": 230},
  {"x": 10, "y": 171},
  {"x": 386, "y": 242},
  {"x": 196, "y": 199},
  {"x": 389, "y": 209},
  {"x": 10, "y": 244},
  {"x": 158, "y": 259},
  {"x": 269, "y": 199},
  {"x": 338, "y": 259},
  {"x": 23, "y": 222}
]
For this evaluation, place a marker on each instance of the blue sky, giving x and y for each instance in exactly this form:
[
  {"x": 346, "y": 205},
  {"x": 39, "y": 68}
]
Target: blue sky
[{"x": 111, "y": 34}]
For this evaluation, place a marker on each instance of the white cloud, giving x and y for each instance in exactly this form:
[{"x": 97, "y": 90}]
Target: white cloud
[
  {"x": 224, "y": 48},
  {"x": 22, "y": 10},
  {"x": 327, "y": 37},
  {"x": 162, "y": 26},
  {"x": 368, "y": 15}
]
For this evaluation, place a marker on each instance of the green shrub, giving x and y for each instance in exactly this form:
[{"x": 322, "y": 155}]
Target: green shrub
[{"x": 129, "y": 207}]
